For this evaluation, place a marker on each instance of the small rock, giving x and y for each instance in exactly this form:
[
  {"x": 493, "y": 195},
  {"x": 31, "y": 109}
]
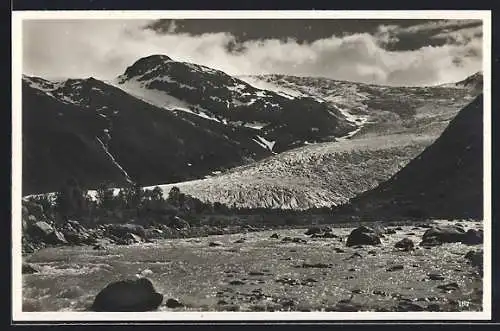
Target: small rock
[
  {"x": 173, "y": 303},
  {"x": 29, "y": 269},
  {"x": 405, "y": 244},
  {"x": 316, "y": 265},
  {"x": 409, "y": 306},
  {"x": 433, "y": 307},
  {"x": 275, "y": 236},
  {"x": 256, "y": 273},
  {"x": 357, "y": 291},
  {"x": 448, "y": 287},
  {"x": 356, "y": 254},
  {"x": 435, "y": 277},
  {"x": 390, "y": 231},
  {"x": 372, "y": 252},
  {"x": 339, "y": 250},
  {"x": 240, "y": 241},
  {"x": 395, "y": 267},
  {"x": 236, "y": 282},
  {"x": 378, "y": 292},
  {"x": 215, "y": 244}
]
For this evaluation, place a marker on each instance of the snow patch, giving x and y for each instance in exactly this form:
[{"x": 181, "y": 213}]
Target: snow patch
[
  {"x": 263, "y": 85},
  {"x": 264, "y": 143}
]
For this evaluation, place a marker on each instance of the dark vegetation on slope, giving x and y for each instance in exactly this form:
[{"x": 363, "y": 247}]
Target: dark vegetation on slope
[{"x": 444, "y": 181}]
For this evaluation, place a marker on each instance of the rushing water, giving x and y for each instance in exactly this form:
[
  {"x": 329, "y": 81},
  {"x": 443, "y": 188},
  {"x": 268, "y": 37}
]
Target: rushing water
[{"x": 193, "y": 272}]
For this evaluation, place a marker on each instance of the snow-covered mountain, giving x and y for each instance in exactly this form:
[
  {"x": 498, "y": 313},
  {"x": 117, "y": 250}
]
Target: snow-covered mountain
[
  {"x": 161, "y": 121},
  {"x": 255, "y": 141}
]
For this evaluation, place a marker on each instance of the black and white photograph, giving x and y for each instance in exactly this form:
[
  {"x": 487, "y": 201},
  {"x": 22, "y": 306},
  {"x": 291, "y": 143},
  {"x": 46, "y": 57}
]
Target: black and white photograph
[{"x": 251, "y": 165}]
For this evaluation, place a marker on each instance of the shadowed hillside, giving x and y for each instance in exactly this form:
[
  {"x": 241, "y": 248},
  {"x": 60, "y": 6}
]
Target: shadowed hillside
[{"x": 444, "y": 181}]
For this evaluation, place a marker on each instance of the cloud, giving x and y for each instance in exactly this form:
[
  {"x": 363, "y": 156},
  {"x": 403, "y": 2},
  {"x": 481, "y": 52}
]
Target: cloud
[{"x": 104, "y": 49}]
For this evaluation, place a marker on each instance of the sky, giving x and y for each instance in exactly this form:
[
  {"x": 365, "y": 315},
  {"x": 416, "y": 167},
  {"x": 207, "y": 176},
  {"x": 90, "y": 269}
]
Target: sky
[{"x": 387, "y": 52}]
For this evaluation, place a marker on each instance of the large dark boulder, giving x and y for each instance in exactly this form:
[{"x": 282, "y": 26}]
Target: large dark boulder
[
  {"x": 128, "y": 295},
  {"x": 443, "y": 234},
  {"x": 363, "y": 236},
  {"x": 473, "y": 237}
]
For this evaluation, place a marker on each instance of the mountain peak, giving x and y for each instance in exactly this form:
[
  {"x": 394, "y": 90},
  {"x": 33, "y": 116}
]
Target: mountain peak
[{"x": 147, "y": 63}]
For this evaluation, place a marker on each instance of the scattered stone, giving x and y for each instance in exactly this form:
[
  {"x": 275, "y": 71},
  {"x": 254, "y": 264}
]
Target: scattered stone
[
  {"x": 409, "y": 306},
  {"x": 390, "y": 231},
  {"x": 405, "y": 244},
  {"x": 448, "y": 287},
  {"x": 343, "y": 306},
  {"x": 435, "y": 277},
  {"x": 399, "y": 228},
  {"x": 229, "y": 307},
  {"x": 356, "y": 254},
  {"x": 236, "y": 282},
  {"x": 363, "y": 235},
  {"x": 256, "y": 273},
  {"x": 324, "y": 235},
  {"x": 415, "y": 228},
  {"x": 128, "y": 295},
  {"x": 338, "y": 250},
  {"x": 372, "y": 252},
  {"x": 352, "y": 269},
  {"x": 315, "y": 265},
  {"x": 29, "y": 269},
  {"x": 317, "y": 229},
  {"x": 215, "y": 244},
  {"x": 98, "y": 247},
  {"x": 433, "y": 307},
  {"x": 410, "y": 234},
  {"x": 357, "y": 291},
  {"x": 123, "y": 231},
  {"x": 395, "y": 268},
  {"x": 378, "y": 292},
  {"x": 425, "y": 226},
  {"x": 275, "y": 236},
  {"x": 173, "y": 303},
  {"x": 294, "y": 240}
]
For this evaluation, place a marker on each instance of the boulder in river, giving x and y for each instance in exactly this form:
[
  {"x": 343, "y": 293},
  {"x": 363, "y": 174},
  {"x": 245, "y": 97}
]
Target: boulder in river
[
  {"x": 363, "y": 235},
  {"x": 128, "y": 295}
]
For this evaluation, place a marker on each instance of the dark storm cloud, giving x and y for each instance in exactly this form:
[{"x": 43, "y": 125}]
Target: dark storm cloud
[{"x": 392, "y": 52}]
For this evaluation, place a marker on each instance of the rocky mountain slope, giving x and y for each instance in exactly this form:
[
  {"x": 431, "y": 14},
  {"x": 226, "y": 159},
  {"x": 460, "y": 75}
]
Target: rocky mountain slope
[
  {"x": 95, "y": 132},
  {"x": 444, "y": 181},
  {"x": 161, "y": 121}
]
